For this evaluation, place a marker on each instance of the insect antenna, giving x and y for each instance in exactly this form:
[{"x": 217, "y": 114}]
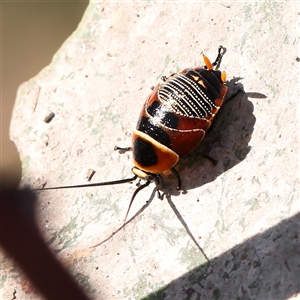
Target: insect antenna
[
  {"x": 133, "y": 196},
  {"x": 156, "y": 179},
  {"x": 132, "y": 218},
  {"x": 88, "y": 184}
]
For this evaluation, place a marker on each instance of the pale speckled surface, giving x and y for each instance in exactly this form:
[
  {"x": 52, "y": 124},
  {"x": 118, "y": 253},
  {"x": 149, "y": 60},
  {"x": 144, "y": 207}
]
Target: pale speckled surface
[{"x": 244, "y": 212}]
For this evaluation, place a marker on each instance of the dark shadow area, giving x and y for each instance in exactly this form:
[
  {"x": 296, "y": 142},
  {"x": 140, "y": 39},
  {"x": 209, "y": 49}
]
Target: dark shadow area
[
  {"x": 22, "y": 240},
  {"x": 266, "y": 266},
  {"x": 225, "y": 145}
]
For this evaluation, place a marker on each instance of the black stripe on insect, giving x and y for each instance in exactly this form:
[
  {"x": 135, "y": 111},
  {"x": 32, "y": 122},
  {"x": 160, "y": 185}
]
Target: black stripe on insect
[{"x": 173, "y": 121}]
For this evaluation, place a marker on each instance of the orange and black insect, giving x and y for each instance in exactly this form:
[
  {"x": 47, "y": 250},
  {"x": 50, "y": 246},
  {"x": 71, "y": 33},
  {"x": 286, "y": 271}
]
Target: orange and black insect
[
  {"x": 176, "y": 116},
  {"x": 173, "y": 121}
]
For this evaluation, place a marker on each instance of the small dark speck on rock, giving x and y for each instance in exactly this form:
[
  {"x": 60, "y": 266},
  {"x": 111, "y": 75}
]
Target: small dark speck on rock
[
  {"x": 89, "y": 175},
  {"x": 190, "y": 291},
  {"x": 50, "y": 115}
]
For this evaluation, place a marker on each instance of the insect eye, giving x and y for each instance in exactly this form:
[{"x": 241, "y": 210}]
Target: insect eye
[{"x": 150, "y": 177}]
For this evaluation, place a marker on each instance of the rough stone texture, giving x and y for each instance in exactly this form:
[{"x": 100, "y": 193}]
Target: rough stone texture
[{"x": 243, "y": 212}]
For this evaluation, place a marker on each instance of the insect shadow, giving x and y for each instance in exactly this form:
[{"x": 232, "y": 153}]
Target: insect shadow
[{"x": 225, "y": 145}]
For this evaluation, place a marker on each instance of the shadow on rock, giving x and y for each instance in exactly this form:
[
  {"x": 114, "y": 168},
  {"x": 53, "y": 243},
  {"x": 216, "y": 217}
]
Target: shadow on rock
[
  {"x": 225, "y": 145},
  {"x": 266, "y": 266}
]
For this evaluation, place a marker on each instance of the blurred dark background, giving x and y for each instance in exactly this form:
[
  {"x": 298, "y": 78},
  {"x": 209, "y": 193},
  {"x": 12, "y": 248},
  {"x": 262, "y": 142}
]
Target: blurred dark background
[{"x": 31, "y": 34}]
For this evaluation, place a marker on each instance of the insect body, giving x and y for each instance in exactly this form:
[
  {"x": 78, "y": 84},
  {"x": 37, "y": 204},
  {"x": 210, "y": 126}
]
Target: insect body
[{"x": 176, "y": 116}]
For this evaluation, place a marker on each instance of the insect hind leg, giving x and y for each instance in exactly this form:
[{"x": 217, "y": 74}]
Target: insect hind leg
[
  {"x": 221, "y": 51},
  {"x": 177, "y": 177}
]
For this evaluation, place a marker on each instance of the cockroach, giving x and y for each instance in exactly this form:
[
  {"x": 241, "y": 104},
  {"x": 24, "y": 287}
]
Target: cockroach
[{"x": 172, "y": 123}]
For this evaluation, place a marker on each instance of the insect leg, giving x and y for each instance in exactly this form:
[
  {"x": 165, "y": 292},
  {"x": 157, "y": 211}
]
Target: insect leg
[
  {"x": 217, "y": 62},
  {"x": 158, "y": 180},
  {"x": 178, "y": 178},
  {"x": 221, "y": 52},
  {"x": 133, "y": 196},
  {"x": 180, "y": 218}
]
